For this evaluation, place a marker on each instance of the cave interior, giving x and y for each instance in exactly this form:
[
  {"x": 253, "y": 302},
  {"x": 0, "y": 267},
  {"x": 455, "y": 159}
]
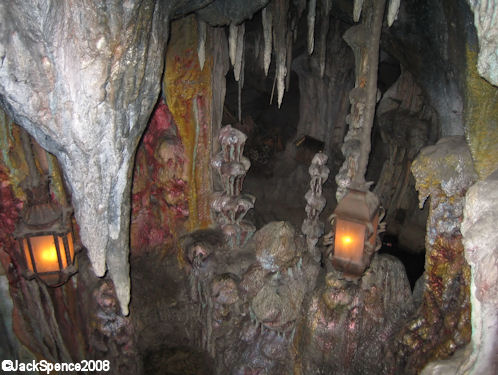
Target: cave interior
[{"x": 204, "y": 147}]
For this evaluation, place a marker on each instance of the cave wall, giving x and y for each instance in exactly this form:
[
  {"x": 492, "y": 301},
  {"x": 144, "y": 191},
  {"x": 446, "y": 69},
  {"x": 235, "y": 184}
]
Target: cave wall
[
  {"x": 188, "y": 92},
  {"x": 65, "y": 324},
  {"x": 83, "y": 80}
]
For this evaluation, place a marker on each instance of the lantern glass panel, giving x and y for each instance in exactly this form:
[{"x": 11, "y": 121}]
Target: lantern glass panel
[
  {"x": 349, "y": 240},
  {"x": 45, "y": 253},
  {"x": 26, "y": 254},
  {"x": 71, "y": 247}
]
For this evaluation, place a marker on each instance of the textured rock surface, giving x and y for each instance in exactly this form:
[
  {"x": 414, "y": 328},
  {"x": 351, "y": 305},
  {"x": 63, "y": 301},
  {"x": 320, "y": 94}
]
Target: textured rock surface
[
  {"x": 480, "y": 239},
  {"x": 481, "y": 118},
  {"x": 263, "y": 308},
  {"x": 312, "y": 227},
  {"x": 82, "y": 79},
  {"x": 9, "y": 211},
  {"x": 434, "y": 54},
  {"x": 79, "y": 320},
  {"x": 323, "y": 98},
  {"x": 407, "y": 123},
  {"x": 188, "y": 92},
  {"x": 229, "y": 206},
  {"x": 486, "y": 23},
  {"x": 224, "y": 12},
  {"x": 441, "y": 324},
  {"x": 350, "y": 326},
  {"x": 159, "y": 193},
  {"x": 446, "y": 166},
  {"x": 364, "y": 40}
]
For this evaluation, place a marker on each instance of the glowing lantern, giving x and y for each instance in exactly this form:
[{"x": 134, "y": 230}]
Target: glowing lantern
[
  {"x": 355, "y": 241},
  {"x": 44, "y": 232},
  {"x": 46, "y": 242}
]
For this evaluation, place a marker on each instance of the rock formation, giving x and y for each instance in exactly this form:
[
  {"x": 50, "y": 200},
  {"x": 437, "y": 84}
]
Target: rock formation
[
  {"x": 441, "y": 325},
  {"x": 89, "y": 101},
  {"x": 230, "y": 206},
  {"x": 312, "y": 227},
  {"x": 485, "y": 21}
]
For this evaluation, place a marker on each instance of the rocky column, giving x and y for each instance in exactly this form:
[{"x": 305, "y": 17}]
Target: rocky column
[
  {"x": 480, "y": 240},
  {"x": 229, "y": 206},
  {"x": 364, "y": 40},
  {"x": 442, "y": 323},
  {"x": 312, "y": 227}
]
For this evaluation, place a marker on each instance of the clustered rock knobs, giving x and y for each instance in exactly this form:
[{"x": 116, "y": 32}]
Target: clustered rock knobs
[
  {"x": 312, "y": 227},
  {"x": 230, "y": 206}
]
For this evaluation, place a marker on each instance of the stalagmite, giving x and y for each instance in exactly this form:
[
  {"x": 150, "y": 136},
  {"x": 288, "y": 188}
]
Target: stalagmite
[
  {"x": 358, "y": 5},
  {"x": 392, "y": 11},
  {"x": 311, "y": 25},
  {"x": 267, "y": 35},
  {"x": 201, "y": 48}
]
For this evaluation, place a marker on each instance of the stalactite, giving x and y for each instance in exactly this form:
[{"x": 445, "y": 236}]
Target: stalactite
[
  {"x": 267, "y": 35},
  {"x": 280, "y": 11},
  {"x": 392, "y": 11},
  {"x": 288, "y": 59},
  {"x": 358, "y": 5},
  {"x": 232, "y": 42},
  {"x": 324, "y": 28},
  {"x": 311, "y": 25},
  {"x": 218, "y": 45},
  {"x": 239, "y": 53},
  {"x": 201, "y": 47},
  {"x": 236, "y": 47}
]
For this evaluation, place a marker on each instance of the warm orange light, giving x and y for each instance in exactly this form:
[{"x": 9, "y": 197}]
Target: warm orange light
[
  {"x": 349, "y": 240},
  {"x": 47, "y": 243},
  {"x": 45, "y": 253},
  {"x": 346, "y": 240},
  {"x": 48, "y": 254}
]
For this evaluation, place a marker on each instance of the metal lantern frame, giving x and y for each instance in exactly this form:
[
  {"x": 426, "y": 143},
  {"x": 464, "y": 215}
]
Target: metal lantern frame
[
  {"x": 61, "y": 232},
  {"x": 360, "y": 208}
]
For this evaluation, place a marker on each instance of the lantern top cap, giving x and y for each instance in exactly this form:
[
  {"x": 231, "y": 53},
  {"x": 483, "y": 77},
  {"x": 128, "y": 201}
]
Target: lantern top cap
[
  {"x": 44, "y": 218},
  {"x": 358, "y": 205}
]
